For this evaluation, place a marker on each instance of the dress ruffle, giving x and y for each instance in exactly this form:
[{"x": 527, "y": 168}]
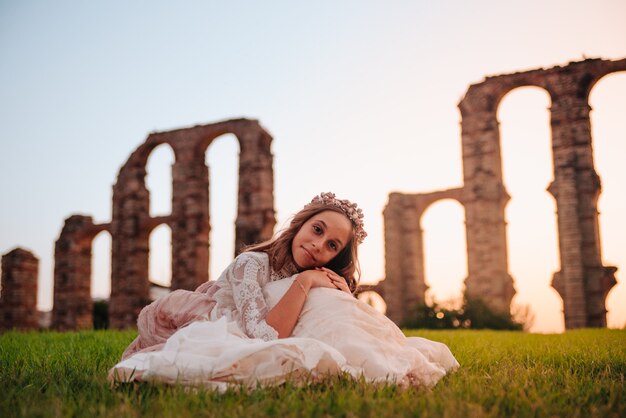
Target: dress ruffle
[{"x": 335, "y": 334}]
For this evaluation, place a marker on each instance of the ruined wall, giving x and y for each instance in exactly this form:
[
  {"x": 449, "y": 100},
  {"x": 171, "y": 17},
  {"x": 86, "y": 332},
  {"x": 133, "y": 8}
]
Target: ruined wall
[
  {"x": 18, "y": 297},
  {"x": 583, "y": 281},
  {"x": 405, "y": 286},
  {"x": 73, "y": 306},
  {"x": 190, "y": 219}
]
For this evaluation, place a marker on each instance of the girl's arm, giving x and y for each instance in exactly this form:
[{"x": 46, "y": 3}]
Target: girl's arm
[
  {"x": 257, "y": 319},
  {"x": 249, "y": 271},
  {"x": 284, "y": 316}
]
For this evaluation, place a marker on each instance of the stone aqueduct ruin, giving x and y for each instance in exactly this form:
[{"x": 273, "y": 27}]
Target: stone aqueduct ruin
[
  {"x": 583, "y": 281},
  {"x": 189, "y": 221}
]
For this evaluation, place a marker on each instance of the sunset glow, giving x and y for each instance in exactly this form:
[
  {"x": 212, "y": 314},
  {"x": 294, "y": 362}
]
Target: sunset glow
[{"x": 360, "y": 97}]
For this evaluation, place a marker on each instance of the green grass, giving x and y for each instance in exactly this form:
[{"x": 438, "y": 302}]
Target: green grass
[{"x": 577, "y": 374}]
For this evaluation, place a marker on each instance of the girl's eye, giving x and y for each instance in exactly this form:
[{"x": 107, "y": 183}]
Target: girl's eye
[
  {"x": 332, "y": 246},
  {"x": 317, "y": 229}
]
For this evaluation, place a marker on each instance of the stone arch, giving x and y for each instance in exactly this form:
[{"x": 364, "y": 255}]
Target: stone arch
[
  {"x": 189, "y": 220},
  {"x": 221, "y": 158},
  {"x": 73, "y": 306},
  {"x": 101, "y": 261},
  {"x": 582, "y": 280},
  {"x": 445, "y": 255},
  {"x": 485, "y": 194},
  {"x": 159, "y": 173},
  {"x": 611, "y": 203},
  {"x": 532, "y": 250},
  {"x": 160, "y": 255},
  {"x": 405, "y": 286}
]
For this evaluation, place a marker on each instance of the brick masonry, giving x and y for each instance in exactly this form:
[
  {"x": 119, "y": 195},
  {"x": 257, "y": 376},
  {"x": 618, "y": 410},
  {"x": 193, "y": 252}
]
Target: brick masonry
[
  {"x": 583, "y": 281},
  {"x": 18, "y": 300},
  {"x": 189, "y": 221}
]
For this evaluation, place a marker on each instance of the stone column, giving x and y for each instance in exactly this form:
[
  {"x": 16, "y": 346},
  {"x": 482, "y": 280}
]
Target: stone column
[
  {"x": 413, "y": 258},
  {"x": 190, "y": 220},
  {"x": 130, "y": 236},
  {"x": 583, "y": 282},
  {"x": 485, "y": 198},
  {"x": 18, "y": 300},
  {"x": 393, "y": 285},
  {"x": 73, "y": 307},
  {"x": 404, "y": 286},
  {"x": 255, "y": 211}
]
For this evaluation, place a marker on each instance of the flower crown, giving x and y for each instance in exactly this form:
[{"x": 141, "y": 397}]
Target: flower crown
[{"x": 348, "y": 208}]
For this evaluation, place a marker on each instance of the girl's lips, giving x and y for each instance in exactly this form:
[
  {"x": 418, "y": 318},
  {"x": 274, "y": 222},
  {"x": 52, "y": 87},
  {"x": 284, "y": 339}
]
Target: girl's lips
[{"x": 309, "y": 254}]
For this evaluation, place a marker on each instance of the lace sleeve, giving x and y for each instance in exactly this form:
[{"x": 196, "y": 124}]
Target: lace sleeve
[{"x": 248, "y": 274}]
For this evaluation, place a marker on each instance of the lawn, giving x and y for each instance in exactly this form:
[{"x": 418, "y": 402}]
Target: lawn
[{"x": 576, "y": 374}]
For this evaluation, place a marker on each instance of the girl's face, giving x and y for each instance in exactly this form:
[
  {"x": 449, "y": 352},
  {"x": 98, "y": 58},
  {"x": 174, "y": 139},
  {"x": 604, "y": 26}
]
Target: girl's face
[{"x": 320, "y": 239}]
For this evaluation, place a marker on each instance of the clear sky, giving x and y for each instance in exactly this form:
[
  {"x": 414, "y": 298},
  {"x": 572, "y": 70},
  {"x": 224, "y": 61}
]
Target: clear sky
[{"x": 360, "y": 97}]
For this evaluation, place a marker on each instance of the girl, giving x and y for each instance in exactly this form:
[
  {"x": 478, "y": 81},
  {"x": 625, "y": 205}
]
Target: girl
[{"x": 281, "y": 308}]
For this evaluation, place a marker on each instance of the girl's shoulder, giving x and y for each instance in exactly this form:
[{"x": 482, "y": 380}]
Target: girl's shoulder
[{"x": 252, "y": 256}]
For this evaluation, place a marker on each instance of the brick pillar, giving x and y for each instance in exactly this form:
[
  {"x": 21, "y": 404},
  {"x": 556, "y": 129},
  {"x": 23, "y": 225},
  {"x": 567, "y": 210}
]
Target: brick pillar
[
  {"x": 404, "y": 285},
  {"x": 18, "y": 300},
  {"x": 583, "y": 282},
  {"x": 130, "y": 239},
  {"x": 485, "y": 199},
  {"x": 73, "y": 307},
  {"x": 190, "y": 220},
  {"x": 255, "y": 211}
]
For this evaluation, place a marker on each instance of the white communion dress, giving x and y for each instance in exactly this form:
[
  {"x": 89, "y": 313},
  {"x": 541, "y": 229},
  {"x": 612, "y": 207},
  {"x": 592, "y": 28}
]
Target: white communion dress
[{"x": 336, "y": 333}]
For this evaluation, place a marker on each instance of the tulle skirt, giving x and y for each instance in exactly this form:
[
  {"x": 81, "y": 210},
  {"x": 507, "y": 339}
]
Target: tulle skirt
[{"x": 335, "y": 334}]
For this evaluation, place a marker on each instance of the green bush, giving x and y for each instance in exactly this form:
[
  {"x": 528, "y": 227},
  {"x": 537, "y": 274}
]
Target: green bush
[{"x": 473, "y": 314}]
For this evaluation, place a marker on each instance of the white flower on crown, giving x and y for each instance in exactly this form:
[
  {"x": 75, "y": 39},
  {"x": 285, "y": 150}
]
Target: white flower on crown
[{"x": 351, "y": 210}]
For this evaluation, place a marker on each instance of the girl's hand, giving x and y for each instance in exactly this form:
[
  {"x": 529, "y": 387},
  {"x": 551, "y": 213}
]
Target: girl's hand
[
  {"x": 316, "y": 278},
  {"x": 338, "y": 281}
]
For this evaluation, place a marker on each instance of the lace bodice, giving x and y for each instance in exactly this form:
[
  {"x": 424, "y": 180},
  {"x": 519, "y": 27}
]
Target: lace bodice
[{"x": 239, "y": 296}]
